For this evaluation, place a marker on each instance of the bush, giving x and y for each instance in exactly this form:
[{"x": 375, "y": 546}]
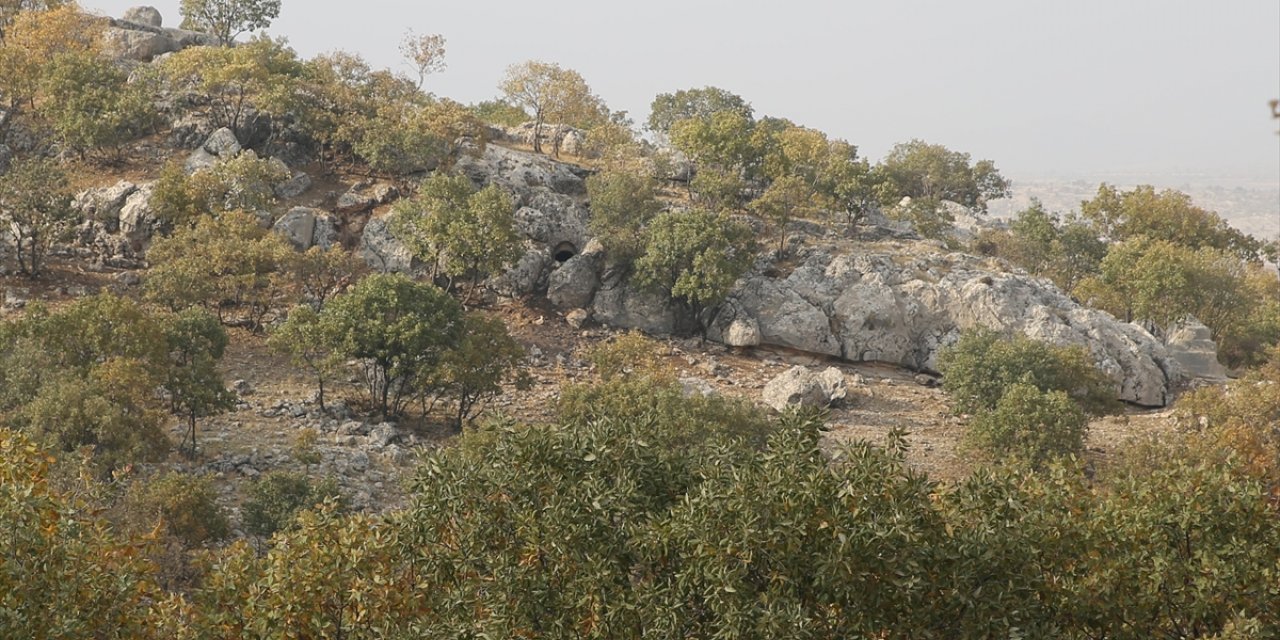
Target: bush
[
  {"x": 979, "y": 368},
  {"x": 1031, "y": 425},
  {"x": 277, "y": 498},
  {"x": 629, "y": 353},
  {"x": 185, "y": 506}
]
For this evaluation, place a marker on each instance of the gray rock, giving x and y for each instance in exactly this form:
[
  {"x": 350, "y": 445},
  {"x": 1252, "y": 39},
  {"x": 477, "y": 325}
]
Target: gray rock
[
  {"x": 902, "y": 309},
  {"x": 734, "y": 326},
  {"x": 520, "y": 173},
  {"x": 294, "y": 187},
  {"x": 620, "y": 305},
  {"x": 577, "y": 318},
  {"x": 133, "y": 44},
  {"x": 696, "y": 387},
  {"x": 791, "y": 320},
  {"x": 801, "y": 387},
  {"x": 199, "y": 160},
  {"x": 223, "y": 144},
  {"x": 137, "y": 219},
  {"x": 573, "y": 284},
  {"x": 103, "y": 204},
  {"x": 383, "y": 434},
  {"x": 353, "y": 202},
  {"x": 554, "y": 220},
  {"x": 529, "y": 275},
  {"x": 384, "y": 252},
  {"x": 15, "y": 299},
  {"x": 1192, "y": 346},
  {"x": 143, "y": 15},
  {"x": 305, "y": 228}
]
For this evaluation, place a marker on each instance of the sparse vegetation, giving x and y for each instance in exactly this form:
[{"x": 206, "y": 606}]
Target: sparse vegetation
[{"x": 568, "y": 479}]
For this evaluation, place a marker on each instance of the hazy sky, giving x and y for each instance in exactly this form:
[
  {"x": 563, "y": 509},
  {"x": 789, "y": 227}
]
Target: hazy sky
[{"x": 1079, "y": 87}]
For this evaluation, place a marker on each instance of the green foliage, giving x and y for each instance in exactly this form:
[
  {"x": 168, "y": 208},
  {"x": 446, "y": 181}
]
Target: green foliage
[
  {"x": 1031, "y": 425},
  {"x": 552, "y": 94},
  {"x": 474, "y": 370},
  {"x": 499, "y": 113},
  {"x": 226, "y": 19},
  {"x": 458, "y": 230},
  {"x": 184, "y": 506},
  {"x": 1166, "y": 215},
  {"x": 36, "y": 211},
  {"x": 32, "y": 42},
  {"x": 694, "y": 256},
  {"x": 701, "y": 104},
  {"x": 1065, "y": 251},
  {"x": 788, "y": 197},
  {"x": 929, "y": 217},
  {"x": 261, "y": 74},
  {"x": 302, "y": 337},
  {"x": 403, "y": 138},
  {"x": 424, "y": 52},
  {"x": 196, "y": 342},
  {"x": 63, "y": 573},
  {"x": 244, "y": 183},
  {"x": 91, "y": 105},
  {"x": 984, "y": 365},
  {"x": 718, "y": 189},
  {"x": 318, "y": 274},
  {"x": 340, "y": 95},
  {"x": 227, "y": 264},
  {"x": 933, "y": 173},
  {"x": 626, "y": 354},
  {"x": 85, "y": 377},
  {"x": 1161, "y": 283},
  {"x": 722, "y": 141},
  {"x": 622, "y": 204},
  {"x": 399, "y": 330},
  {"x": 651, "y": 395},
  {"x": 276, "y": 499}
]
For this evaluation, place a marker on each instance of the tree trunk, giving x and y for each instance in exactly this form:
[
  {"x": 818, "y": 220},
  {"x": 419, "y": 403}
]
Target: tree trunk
[{"x": 537, "y": 132}]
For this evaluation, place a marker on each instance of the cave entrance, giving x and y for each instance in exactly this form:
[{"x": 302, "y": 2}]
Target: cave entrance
[{"x": 564, "y": 251}]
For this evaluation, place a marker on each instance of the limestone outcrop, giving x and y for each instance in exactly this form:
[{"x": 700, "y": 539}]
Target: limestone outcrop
[{"x": 902, "y": 308}]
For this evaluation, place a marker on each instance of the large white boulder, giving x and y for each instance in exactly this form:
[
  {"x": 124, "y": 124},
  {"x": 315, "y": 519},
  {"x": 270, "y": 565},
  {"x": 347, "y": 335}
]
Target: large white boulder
[{"x": 902, "y": 308}]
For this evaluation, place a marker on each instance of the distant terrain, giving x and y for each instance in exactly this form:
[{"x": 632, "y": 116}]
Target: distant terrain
[{"x": 1251, "y": 204}]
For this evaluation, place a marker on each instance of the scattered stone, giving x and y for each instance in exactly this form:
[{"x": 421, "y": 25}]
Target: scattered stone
[
  {"x": 693, "y": 387},
  {"x": 15, "y": 299},
  {"x": 799, "y": 386},
  {"x": 223, "y": 144},
  {"x": 128, "y": 278},
  {"x": 294, "y": 187},
  {"x": 577, "y": 318},
  {"x": 383, "y": 434},
  {"x": 304, "y": 228}
]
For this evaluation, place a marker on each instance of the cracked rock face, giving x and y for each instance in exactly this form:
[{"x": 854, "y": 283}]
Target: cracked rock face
[{"x": 902, "y": 309}]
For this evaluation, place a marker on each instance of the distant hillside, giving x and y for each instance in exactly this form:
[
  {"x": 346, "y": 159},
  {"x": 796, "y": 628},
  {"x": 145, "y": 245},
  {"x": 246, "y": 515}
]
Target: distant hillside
[{"x": 1253, "y": 206}]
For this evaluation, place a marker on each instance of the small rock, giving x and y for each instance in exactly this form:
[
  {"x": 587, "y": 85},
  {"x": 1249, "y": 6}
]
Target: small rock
[
  {"x": 693, "y": 387},
  {"x": 223, "y": 144},
  {"x": 128, "y": 278},
  {"x": 293, "y": 187},
  {"x": 577, "y": 317},
  {"x": 382, "y": 435}
]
